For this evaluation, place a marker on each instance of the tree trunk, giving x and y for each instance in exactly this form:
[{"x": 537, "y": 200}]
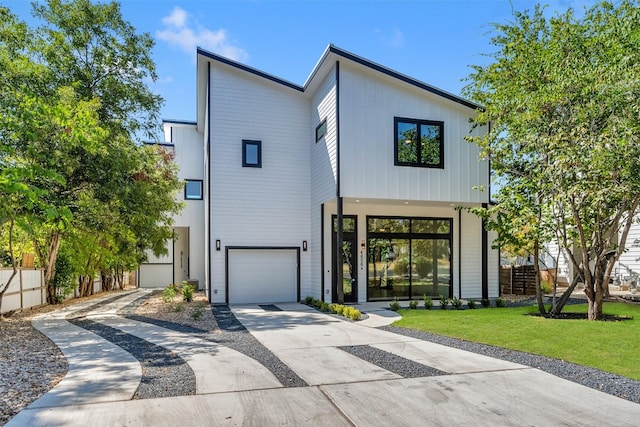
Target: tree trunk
[
  {"x": 536, "y": 267},
  {"x": 50, "y": 266},
  {"x": 559, "y": 305},
  {"x": 595, "y": 307}
]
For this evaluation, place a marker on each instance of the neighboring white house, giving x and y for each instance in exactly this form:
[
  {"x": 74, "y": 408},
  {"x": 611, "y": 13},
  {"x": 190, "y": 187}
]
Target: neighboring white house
[
  {"x": 358, "y": 141},
  {"x": 185, "y": 253}
]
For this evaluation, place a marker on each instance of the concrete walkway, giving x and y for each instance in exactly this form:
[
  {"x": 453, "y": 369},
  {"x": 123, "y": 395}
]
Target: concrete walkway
[{"x": 344, "y": 389}]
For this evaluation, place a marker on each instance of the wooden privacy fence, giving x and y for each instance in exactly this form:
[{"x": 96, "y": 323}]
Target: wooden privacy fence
[{"x": 518, "y": 280}]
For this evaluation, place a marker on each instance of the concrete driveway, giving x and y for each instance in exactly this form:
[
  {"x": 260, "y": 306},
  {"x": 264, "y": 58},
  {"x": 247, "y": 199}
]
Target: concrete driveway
[{"x": 352, "y": 371}]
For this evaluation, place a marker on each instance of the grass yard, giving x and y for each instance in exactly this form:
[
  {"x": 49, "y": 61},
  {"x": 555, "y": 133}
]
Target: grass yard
[{"x": 608, "y": 346}]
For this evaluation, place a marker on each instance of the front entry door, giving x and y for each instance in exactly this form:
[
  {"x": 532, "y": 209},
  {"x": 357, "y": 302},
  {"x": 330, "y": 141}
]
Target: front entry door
[{"x": 349, "y": 259}]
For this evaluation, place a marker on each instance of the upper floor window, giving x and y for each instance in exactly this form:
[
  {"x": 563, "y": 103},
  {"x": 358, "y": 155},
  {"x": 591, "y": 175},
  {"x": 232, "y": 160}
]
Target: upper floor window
[
  {"x": 251, "y": 154},
  {"x": 193, "y": 189},
  {"x": 321, "y": 130},
  {"x": 419, "y": 143}
]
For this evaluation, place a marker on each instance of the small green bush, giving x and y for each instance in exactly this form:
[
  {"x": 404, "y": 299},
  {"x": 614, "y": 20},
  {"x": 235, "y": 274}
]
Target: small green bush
[
  {"x": 169, "y": 293},
  {"x": 325, "y": 307},
  {"x": 471, "y": 304},
  {"x": 352, "y": 313},
  {"x": 413, "y": 304},
  {"x": 428, "y": 302},
  {"x": 500, "y": 302},
  {"x": 545, "y": 287},
  {"x": 197, "y": 313},
  {"x": 456, "y": 303},
  {"x": 339, "y": 309},
  {"x": 177, "y": 307},
  {"x": 485, "y": 302},
  {"x": 308, "y": 300},
  {"x": 444, "y": 302},
  {"x": 394, "y": 305},
  {"x": 187, "y": 291}
]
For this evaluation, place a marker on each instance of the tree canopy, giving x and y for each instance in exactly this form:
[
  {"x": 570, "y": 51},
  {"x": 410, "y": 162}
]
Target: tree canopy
[
  {"x": 74, "y": 99},
  {"x": 562, "y": 98}
]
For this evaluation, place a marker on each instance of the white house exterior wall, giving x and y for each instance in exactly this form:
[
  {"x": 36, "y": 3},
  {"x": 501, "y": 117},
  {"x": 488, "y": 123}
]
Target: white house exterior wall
[
  {"x": 629, "y": 263},
  {"x": 323, "y": 171},
  {"x": 368, "y": 104},
  {"x": 258, "y": 207},
  {"x": 189, "y": 156}
]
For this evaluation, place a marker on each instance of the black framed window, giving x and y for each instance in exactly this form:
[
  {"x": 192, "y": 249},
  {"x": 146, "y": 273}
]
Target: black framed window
[
  {"x": 193, "y": 189},
  {"x": 419, "y": 143},
  {"x": 409, "y": 257},
  {"x": 321, "y": 130},
  {"x": 251, "y": 154}
]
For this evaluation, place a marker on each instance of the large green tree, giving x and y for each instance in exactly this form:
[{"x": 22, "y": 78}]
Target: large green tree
[
  {"x": 562, "y": 98},
  {"x": 76, "y": 102}
]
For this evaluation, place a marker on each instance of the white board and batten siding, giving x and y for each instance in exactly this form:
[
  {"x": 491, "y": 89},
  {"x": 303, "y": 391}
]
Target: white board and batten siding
[
  {"x": 368, "y": 104},
  {"x": 323, "y": 171},
  {"x": 257, "y": 207}
]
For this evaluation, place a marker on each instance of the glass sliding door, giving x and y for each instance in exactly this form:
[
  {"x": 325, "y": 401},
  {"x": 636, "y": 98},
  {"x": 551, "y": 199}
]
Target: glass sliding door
[{"x": 408, "y": 258}]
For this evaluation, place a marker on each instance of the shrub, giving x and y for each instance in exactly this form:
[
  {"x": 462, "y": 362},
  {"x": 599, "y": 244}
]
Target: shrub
[
  {"x": 169, "y": 293},
  {"x": 177, "y": 307},
  {"x": 352, "y": 313},
  {"x": 485, "y": 302},
  {"x": 394, "y": 305},
  {"x": 428, "y": 302},
  {"x": 471, "y": 304},
  {"x": 500, "y": 302},
  {"x": 413, "y": 304},
  {"x": 444, "y": 302},
  {"x": 339, "y": 309},
  {"x": 308, "y": 300},
  {"x": 456, "y": 303},
  {"x": 198, "y": 311},
  {"x": 545, "y": 287},
  {"x": 325, "y": 307},
  {"x": 187, "y": 291}
]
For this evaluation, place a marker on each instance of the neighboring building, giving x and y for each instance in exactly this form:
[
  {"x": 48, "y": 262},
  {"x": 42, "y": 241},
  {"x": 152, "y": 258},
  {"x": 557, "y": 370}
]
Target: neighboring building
[
  {"x": 185, "y": 253},
  {"x": 358, "y": 141}
]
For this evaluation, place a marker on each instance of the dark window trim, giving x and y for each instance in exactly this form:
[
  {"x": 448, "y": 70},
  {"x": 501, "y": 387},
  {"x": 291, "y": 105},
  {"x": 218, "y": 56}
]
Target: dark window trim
[
  {"x": 320, "y": 126},
  {"x": 419, "y": 123},
  {"x": 410, "y": 236},
  {"x": 186, "y": 197},
  {"x": 245, "y": 143}
]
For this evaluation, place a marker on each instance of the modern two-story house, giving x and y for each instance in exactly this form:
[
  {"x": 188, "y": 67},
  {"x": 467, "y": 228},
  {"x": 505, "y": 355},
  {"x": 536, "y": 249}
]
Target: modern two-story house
[{"x": 353, "y": 177}]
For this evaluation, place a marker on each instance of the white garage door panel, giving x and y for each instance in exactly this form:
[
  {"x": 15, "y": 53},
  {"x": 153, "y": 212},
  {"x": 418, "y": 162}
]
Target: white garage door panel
[{"x": 262, "y": 275}]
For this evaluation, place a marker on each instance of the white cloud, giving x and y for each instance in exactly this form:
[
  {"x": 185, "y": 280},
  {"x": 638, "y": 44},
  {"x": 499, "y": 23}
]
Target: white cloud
[{"x": 179, "y": 32}]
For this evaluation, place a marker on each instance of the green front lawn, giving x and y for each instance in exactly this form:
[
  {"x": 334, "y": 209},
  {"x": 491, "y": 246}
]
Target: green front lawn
[{"x": 609, "y": 346}]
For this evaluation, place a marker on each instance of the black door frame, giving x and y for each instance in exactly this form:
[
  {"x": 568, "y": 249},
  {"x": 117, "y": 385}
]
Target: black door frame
[{"x": 347, "y": 236}]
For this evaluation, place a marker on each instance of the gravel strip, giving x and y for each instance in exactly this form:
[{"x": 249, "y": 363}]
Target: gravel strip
[
  {"x": 164, "y": 373},
  {"x": 229, "y": 332},
  {"x": 623, "y": 387},
  {"x": 392, "y": 362},
  {"x": 235, "y": 336}
]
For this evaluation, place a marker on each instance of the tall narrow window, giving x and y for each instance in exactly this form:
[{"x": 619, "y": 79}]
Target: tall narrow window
[
  {"x": 193, "y": 189},
  {"x": 419, "y": 143},
  {"x": 251, "y": 154}
]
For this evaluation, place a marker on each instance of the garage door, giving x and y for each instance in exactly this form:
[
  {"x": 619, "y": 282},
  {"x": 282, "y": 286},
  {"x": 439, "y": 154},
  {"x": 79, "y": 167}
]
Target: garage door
[{"x": 262, "y": 275}]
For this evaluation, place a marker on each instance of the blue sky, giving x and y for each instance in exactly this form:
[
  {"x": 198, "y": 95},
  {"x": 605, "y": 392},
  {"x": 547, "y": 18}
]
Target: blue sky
[{"x": 434, "y": 41}]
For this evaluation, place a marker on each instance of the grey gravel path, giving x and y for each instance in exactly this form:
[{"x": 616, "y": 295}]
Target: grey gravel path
[
  {"x": 392, "y": 362},
  {"x": 164, "y": 374}
]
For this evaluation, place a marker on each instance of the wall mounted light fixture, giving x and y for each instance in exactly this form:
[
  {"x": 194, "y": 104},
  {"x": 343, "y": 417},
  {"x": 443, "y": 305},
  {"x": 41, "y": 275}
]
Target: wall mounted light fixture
[
  {"x": 304, "y": 245},
  {"x": 217, "y": 245}
]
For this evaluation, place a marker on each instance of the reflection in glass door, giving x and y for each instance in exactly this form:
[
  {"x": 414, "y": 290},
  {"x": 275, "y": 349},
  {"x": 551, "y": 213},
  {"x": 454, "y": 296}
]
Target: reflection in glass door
[{"x": 349, "y": 259}]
